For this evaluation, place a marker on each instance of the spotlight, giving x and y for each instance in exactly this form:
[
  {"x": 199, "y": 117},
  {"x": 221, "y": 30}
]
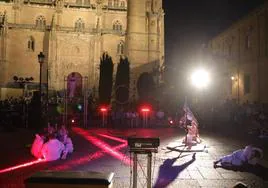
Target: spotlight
[{"x": 200, "y": 78}]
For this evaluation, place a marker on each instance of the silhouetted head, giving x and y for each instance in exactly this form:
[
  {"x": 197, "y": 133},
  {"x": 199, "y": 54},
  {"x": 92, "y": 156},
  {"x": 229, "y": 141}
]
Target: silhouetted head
[
  {"x": 51, "y": 136},
  {"x": 257, "y": 154}
]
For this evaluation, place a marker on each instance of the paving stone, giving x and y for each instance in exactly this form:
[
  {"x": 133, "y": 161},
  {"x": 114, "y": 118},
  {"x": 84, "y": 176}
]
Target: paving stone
[
  {"x": 209, "y": 173},
  {"x": 195, "y": 174},
  {"x": 185, "y": 184},
  {"x": 216, "y": 183},
  {"x": 230, "y": 175}
]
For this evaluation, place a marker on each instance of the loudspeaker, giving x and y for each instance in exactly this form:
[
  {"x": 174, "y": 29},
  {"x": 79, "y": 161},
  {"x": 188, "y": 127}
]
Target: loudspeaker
[{"x": 70, "y": 179}]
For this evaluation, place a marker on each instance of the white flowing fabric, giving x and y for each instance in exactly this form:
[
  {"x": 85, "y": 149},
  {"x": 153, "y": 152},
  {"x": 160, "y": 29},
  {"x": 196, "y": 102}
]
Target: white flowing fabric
[
  {"x": 37, "y": 146},
  {"x": 241, "y": 156},
  {"x": 52, "y": 150}
]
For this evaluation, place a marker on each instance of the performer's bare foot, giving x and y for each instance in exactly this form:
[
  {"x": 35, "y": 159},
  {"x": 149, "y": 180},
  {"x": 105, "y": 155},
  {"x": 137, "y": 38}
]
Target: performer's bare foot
[
  {"x": 215, "y": 164},
  {"x": 64, "y": 156},
  {"x": 193, "y": 157}
]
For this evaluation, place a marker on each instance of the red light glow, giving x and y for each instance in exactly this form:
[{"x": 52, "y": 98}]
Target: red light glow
[
  {"x": 145, "y": 110},
  {"x": 22, "y": 165},
  {"x": 102, "y": 145},
  {"x": 103, "y": 109}
]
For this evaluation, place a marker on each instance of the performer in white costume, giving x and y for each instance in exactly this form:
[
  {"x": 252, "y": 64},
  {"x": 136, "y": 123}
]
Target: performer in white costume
[
  {"x": 53, "y": 149},
  {"x": 37, "y": 146},
  {"x": 248, "y": 155}
]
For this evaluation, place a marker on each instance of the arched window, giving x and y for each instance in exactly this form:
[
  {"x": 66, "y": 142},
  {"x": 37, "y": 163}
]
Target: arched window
[
  {"x": 79, "y": 2},
  {"x": 87, "y": 2},
  {"x": 117, "y": 26},
  {"x": 40, "y": 22},
  {"x": 122, "y": 4},
  {"x": 116, "y": 3},
  {"x": 110, "y": 3},
  {"x": 1, "y": 17},
  {"x": 248, "y": 38},
  {"x": 31, "y": 44},
  {"x": 120, "y": 48},
  {"x": 79, "y": 25}
]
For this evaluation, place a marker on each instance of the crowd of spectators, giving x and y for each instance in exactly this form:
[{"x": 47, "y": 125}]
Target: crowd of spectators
[
  {"x": 12, "y": 113},
  {"x": 247, "y": 117},
  {"x": 251, "y": 117}
]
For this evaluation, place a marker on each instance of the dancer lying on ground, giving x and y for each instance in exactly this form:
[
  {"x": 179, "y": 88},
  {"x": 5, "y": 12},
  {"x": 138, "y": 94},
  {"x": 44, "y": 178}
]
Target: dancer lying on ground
[{"x": 248, "y": 155}]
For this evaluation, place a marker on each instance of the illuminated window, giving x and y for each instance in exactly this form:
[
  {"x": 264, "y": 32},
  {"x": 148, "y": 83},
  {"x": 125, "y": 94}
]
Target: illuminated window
[
  {"x": 40, "y": 22},
  {"x": 79, "y": 2},
  {"x": 79, "y": 25},
  {"x": 117, "y": 26},
  {"x": 31, "y": 44},
  {"x": 246, "y": 84},
  {"x": 120, "y": 48},
  {"x": 87, "y": 2},
  {"x": 248, "y": 38}
]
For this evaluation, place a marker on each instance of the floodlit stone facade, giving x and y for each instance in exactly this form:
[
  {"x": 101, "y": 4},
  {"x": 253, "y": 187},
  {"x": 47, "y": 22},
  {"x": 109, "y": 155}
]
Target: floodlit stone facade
[
  {"x": 73, "y": 34},
  {"x": 241, "y": 55}
]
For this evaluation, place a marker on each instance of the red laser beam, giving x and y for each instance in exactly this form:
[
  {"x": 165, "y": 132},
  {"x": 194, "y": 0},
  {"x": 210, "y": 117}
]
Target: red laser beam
[
  {"x": 22, "y": 165},
  {"x": 113, "y": 138},
  {"x": 102, "y": 145},
  {"x": 87, "y": 158}
]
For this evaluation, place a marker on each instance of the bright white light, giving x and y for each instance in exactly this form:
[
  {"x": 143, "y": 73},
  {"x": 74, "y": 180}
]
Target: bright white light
[{"x": 200, "y": 78}]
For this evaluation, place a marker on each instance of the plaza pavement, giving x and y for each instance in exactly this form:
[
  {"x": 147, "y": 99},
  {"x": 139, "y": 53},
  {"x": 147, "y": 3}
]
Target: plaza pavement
[{"x": 170, "y": 167}]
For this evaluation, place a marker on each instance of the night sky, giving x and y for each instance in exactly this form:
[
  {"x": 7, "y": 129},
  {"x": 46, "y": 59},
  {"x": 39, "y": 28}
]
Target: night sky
[{"x": 191, "y": 23}]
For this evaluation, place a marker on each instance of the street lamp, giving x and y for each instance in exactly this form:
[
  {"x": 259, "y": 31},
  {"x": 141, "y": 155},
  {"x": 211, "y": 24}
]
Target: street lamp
[{"x": 41, "y": 58}]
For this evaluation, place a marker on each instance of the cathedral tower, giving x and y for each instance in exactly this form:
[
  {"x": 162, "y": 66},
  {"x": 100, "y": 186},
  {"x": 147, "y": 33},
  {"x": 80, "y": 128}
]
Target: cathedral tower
[{"x": 145, "y": 33}]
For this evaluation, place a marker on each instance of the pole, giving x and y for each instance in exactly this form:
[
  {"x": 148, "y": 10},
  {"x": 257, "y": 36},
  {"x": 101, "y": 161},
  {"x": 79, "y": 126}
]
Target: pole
[
  {"x": 149, "y": 170},
  {"x": 40, "y": 91},
  {"x": 103, "y": 118},
  {"x": 135, "y": 170},
  {"x": 40, "y": 82}
]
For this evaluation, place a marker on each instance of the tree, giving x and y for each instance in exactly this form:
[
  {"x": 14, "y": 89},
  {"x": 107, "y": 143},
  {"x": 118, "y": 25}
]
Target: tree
[
  {"x": 122, "y": 81},
  {"x": 106, "y": 79},
  {"x": 145, "y": 86}
]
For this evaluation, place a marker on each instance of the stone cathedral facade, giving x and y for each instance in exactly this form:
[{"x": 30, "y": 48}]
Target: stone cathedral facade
[{"x": 73, "y": 34}]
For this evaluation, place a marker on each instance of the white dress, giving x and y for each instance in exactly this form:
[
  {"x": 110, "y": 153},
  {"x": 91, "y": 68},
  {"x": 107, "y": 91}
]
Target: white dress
[
  {"x": 37, "y": 146},
  {"x": 242, "y": 156},
  {"x": 52, "y": 150}
]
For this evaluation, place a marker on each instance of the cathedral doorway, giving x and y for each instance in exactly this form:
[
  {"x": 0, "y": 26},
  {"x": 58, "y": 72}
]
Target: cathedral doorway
[{"x": 74, "y": 85}]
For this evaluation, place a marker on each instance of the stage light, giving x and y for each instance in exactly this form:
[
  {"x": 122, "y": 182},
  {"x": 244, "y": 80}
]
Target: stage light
[
  {"x": 103, "y": 109},
  {"x": 73, "y": 120},
  {"x": 145, "y": 109},
  {"x": 171, "y": 122},
  {"x": 200, "y": 78}
]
